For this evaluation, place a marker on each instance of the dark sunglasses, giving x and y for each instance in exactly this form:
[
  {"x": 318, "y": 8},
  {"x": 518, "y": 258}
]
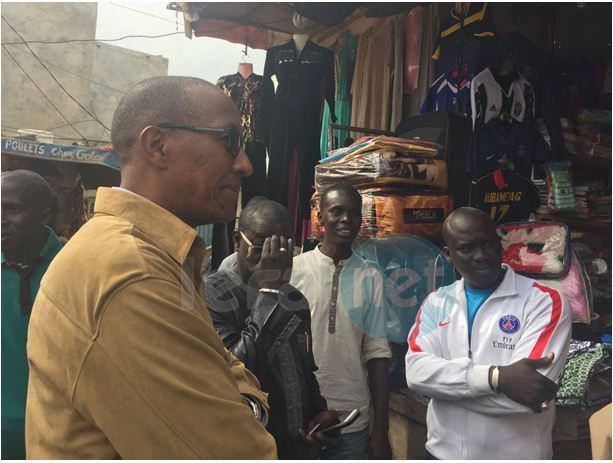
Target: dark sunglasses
[{"x": 233, "y": 139}]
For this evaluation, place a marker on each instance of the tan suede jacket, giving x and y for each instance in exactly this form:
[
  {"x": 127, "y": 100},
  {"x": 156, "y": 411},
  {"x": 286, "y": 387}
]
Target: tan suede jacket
[{"x": 124, "y": 359}]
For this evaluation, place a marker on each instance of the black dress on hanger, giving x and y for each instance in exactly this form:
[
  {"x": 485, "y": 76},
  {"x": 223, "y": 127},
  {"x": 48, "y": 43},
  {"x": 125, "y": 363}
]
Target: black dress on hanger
[{"x": 305, "y": 80}]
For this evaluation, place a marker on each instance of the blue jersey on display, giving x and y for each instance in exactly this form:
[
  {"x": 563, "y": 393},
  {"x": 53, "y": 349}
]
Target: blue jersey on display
[{"x": 449, "y": 93}]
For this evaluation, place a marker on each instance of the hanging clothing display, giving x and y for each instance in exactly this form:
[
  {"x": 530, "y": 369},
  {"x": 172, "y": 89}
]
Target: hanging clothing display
[
  {"x": 492, "y": 95},
  {"x": 253, "y": 98},
  {"x": 517, "y": 143},
  {"x": 371, "y": 88},
  {"x": 450, "y": 93},
  {"x": 460, "y": 26},
  {"x": 413, "y": 27},
  {"x": 344, "y": 63},
  {"x": 424, "y": 75},
  {"x": 304, "y": 79},
  {"x": 398, "y": 71},
  {"x": 377, "y": 86},
  {"x": 463, "y": 38}
]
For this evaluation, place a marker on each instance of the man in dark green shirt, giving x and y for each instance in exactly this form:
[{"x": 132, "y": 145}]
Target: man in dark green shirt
[{"x": 28, "y": 246}]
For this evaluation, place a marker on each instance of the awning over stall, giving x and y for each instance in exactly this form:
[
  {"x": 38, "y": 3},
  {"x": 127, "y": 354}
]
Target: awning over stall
[{"x": 263, "y": 24}]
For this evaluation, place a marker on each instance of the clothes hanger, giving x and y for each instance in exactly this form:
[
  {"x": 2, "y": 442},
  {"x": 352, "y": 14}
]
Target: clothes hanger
[{"x": 245, "y": 69}]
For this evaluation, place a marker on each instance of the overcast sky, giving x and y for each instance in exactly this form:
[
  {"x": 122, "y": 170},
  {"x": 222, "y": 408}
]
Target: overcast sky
[{"x": 202, "y": 57}]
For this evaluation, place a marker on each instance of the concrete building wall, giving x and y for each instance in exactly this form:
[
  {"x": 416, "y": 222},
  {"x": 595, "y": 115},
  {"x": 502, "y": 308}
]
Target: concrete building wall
[
  {"x": 95, "y": 74},
  {"x": 123, "y": 68}
]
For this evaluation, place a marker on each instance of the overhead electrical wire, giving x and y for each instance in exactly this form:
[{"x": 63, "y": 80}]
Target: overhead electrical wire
[
  {"x": 78, "y": 75},
  {"x": 52, "y": 42},
  {"x": 65, "y": 125},
  {"x": 42, "y": 92},
  {"x": 143, "y": 12},
  {"x": 53, "y": 77}
]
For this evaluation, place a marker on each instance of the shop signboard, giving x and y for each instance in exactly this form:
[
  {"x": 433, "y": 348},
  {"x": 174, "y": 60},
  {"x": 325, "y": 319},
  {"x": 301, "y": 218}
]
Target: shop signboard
[{"x": 65, "y": 153}]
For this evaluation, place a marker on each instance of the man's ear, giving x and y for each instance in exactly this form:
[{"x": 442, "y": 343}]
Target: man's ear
[
  {"x": 153, "y": 143},
  {"x": 46, "y": 216},
  {"x": 447, "y": 254},
  {"x": 236, "y": 239}
]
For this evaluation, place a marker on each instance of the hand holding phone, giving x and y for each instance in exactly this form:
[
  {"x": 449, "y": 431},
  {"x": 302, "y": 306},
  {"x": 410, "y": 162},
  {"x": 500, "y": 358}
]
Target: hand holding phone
[{"x": 348, "y": 420}]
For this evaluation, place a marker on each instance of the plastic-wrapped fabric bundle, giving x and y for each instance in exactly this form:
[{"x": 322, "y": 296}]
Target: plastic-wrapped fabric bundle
[
  {"x": 536, "y": 249},
  {"x": 383, "y": 166},
  {"x": 366, "y": 144},
  {"x": 576, "y": 286},
  {"x": 383, "y": 160},
  {"x": 560, "y": 193},
  {"x": 388, "y": 211}
]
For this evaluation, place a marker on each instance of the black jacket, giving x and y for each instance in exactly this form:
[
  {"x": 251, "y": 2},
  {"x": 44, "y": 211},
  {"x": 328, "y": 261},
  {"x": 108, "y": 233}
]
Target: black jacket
[{"x": 273, "y": 340}]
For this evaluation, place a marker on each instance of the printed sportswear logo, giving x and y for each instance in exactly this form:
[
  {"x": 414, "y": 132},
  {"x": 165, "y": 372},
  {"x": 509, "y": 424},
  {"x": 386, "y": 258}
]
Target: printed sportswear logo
[
  {"x": 509, "y": 324},
  {"x": 444, "y": 323}
]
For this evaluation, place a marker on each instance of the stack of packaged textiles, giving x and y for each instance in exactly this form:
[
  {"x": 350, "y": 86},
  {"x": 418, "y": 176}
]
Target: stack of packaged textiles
[
  {"x": 600, "y": 208},
  {"x": 402, "y": 183},
  {"x": 560, "y": 194},
  {"x": 383, "y": 161},
  {"x": 581, "y": 196},
  {"x": 595, "y": 126},
  {"x": 541, "y": 186}
]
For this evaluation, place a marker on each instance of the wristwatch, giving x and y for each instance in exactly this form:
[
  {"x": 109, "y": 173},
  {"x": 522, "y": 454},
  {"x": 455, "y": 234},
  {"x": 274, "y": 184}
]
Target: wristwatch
[{"x": 258, "y": 411}]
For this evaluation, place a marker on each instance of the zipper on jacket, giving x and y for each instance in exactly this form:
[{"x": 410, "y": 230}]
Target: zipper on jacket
[{"x": 470, "y": 338}]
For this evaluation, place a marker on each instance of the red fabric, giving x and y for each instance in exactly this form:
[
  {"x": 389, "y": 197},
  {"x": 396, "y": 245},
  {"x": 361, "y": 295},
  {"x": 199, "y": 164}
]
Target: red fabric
[
  {"x": 556, "y": 311},
  {"x": 413, "y": 25},
  {"x": 512, "y": 256},
  {"x": 499, "y": 179}
]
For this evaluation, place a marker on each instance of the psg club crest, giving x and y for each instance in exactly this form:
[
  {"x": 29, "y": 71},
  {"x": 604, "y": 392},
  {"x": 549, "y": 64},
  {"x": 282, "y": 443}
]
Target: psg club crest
[{"x": 509, "y": 324}]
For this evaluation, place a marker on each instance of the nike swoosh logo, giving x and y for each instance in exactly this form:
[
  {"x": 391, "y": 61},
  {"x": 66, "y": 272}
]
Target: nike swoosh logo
[
  {"x": 487, "y": 158},
  {"x": 444, "y": 323}
]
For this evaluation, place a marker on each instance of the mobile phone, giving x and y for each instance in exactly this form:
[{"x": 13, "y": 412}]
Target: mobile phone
[{"x": 348, "y": 420}]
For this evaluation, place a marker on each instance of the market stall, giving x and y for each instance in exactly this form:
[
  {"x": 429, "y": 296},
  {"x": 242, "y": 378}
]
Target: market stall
[
  {"x": 504, "y": 107},
  {"x": 73, "y": 172}
]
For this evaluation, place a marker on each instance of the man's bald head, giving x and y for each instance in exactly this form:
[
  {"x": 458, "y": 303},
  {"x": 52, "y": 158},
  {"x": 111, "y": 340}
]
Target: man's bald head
[
  {"x": 473, "y": 247},
  {"x": 188, "y": 169},
  {"x": 265, "y": 217},
  {"x": 462, "y": 218},
  {"x": 154, "y": 101},
  {"x": 35, "y": 190}
]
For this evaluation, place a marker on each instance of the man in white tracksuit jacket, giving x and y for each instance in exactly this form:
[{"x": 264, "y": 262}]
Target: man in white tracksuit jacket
[{"x": 488, "y": 351}]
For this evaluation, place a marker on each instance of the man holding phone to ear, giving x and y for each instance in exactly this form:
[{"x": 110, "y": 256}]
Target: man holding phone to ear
[{"x": 266, "y": 324}]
